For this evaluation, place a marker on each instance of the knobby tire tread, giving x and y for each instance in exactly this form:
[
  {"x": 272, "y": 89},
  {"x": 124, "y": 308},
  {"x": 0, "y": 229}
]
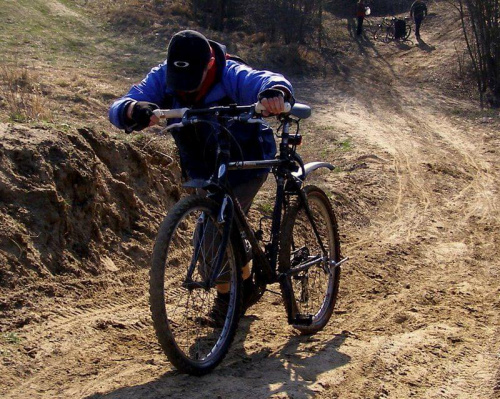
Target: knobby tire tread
[
  {"x": 156, "y": 290},
  {"x": 284, "y": 255}
]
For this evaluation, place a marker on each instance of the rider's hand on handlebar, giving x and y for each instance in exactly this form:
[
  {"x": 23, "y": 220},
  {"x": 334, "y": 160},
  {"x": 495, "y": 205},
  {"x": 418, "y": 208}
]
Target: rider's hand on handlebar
[
  {"x": 273, "y": 101},
  {"x": 142, "y": 114}
]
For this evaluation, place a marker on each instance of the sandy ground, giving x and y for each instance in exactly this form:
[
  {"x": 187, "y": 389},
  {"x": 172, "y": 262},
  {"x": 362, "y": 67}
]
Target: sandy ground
[{"x": 418, "y": 312}]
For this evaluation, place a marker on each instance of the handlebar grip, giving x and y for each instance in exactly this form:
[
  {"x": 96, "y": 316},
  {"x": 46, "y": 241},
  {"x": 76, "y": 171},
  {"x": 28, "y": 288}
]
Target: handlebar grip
[
  {"x": 176, "y": 113},
  {"x": 259, "y": 108}
]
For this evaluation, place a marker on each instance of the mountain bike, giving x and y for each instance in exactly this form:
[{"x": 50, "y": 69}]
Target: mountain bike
[
  {"x": 381, "y": 28},
  {"x": 203, "y": 242},
  {"x": 386, "y": 29},
  {"x": 391, "y": 30}
]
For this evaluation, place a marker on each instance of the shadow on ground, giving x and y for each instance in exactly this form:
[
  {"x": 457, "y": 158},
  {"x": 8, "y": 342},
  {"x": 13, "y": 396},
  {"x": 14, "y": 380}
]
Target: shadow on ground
[
  {"x": 296, "y": 367},
  {"x": 424, "y": 46}
]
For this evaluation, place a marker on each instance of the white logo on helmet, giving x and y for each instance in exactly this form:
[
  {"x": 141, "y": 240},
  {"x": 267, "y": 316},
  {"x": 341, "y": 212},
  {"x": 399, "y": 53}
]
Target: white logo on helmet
[{"x": 181, "y": 64}]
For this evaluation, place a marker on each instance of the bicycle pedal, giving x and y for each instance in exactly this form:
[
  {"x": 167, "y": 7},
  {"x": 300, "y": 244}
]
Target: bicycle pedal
[{"x": 302, "y": 320}]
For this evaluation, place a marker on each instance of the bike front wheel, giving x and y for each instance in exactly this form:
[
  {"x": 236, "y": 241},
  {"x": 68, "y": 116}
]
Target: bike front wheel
[
  {"x": 377, "y": 32},
  {"x": 314, "y": 289},
  {"x": 390, "y": 34},
  {"x": 195, "y": 320}
]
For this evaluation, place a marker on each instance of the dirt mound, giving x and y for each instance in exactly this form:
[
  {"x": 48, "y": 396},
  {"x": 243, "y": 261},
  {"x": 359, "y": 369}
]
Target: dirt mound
[{"x": 77, "y": 204}]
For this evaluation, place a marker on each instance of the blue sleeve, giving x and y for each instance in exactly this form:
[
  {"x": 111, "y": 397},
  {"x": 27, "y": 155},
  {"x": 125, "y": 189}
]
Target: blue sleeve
[
  {"x": 243, "y": 84},
  {"x": 151, "y": 89}
]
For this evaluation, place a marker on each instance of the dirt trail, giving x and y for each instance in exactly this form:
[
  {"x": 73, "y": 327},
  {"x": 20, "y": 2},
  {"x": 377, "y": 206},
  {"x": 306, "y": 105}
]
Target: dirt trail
[{"x": 418, "y": 314}]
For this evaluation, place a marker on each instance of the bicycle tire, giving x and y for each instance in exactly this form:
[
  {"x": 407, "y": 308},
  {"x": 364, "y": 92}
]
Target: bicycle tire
[
  {"x": 377, "y": 32},
  {"x": 390, "y": 34},
  {"x": 407, "y": 33},
  {"x": 298, "y": 241},
  {"x": 183, "y": 317},
  {"x": 368, "y": 27}
]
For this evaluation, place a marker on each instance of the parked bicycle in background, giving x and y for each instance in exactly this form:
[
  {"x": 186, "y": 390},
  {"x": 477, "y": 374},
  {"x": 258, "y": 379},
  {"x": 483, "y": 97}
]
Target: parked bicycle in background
[{"x": 390, "y": 29}]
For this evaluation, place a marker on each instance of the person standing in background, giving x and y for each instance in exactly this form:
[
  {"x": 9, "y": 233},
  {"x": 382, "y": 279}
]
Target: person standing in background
[
  {"x": 418, "y": 12},
  {"x": 360, "y": 14}
]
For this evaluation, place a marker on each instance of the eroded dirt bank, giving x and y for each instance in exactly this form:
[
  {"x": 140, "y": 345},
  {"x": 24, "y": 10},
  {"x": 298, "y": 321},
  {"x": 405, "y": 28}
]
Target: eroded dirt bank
[
  {"x": 79, "y": 209},
  {"x": 416, "y": 191}
]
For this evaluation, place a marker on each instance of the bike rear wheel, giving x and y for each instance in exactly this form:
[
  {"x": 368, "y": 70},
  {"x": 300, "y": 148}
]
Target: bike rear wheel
[
  {"x": 407, "y": 33},
  {"x": 195, "y": 323},
  {"x": 314, "y": 291}
]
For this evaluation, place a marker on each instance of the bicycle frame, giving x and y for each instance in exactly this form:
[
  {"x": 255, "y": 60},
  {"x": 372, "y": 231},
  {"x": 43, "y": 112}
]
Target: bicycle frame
[{"x": 287, "y": 183}]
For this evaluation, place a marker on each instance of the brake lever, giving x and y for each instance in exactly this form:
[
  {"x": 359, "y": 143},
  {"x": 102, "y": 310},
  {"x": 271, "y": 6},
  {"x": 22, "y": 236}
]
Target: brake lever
[{"x": 255, "y": 120}]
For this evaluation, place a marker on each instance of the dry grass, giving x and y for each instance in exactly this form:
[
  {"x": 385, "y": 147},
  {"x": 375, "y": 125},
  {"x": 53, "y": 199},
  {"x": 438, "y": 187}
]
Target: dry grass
[{"x": 21, "y": 95}]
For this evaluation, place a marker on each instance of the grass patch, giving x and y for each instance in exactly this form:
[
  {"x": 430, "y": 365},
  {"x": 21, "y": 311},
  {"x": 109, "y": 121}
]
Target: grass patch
[
  {"x": 11, "y": 338},
  {"x": 326, "y": 153},
  {"x": 345, "y": 145},
  {"x": 266, "y": 207},
  {"x": 22, "y": 96}
]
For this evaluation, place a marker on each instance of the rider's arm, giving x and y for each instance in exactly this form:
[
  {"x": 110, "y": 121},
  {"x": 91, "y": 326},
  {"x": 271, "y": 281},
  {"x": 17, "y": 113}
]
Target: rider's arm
[
  {"x": 152, "y": 89},
  {"x": 243, "y": 84}
]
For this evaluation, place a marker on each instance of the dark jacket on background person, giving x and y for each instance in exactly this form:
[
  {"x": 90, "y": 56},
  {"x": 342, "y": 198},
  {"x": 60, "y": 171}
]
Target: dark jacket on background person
[
  {"x": 418, "y": 9},
  {"x": 360, "y": 9}
]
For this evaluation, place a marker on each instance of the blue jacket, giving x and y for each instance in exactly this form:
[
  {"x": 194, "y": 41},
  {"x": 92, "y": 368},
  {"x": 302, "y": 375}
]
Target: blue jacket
[{"x": 235, "y": 83}]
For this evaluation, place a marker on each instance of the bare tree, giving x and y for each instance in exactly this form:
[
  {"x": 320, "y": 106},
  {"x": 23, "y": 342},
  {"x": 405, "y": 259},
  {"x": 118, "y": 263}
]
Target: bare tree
[
  {"x": 286, "y": 21},
  {"x": 480, "y": 24},
  {"x": 214, "y": 13}
]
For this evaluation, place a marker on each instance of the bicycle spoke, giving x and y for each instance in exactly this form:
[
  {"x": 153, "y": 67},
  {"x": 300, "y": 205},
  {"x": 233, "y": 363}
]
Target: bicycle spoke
[
  {"x": 313, "y": 286},
  {"x": 194, "y": 341}
]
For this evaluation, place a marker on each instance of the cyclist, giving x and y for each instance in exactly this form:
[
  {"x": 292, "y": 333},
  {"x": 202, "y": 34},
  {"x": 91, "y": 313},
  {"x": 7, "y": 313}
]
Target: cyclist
[
  {"x": 199, "y": 73},
  {"x": 418, "y": 12}
]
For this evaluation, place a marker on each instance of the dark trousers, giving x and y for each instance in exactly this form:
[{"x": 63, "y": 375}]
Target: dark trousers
[
  {"x": 245, "y": 193},
  {"x": 359, "y": 30},
  {"x": 418, "y": 22}
]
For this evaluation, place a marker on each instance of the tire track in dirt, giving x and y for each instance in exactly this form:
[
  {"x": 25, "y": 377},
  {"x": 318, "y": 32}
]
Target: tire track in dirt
[
  {"x": 73, "y": 340},
  {"x": 418, "y": 311},
  {"x": 445, "y": 193}
]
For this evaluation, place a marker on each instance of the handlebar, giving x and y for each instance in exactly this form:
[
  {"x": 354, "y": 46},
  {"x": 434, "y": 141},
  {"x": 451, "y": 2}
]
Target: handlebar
[
  {"x": 259, "y": 108},
  {"x": 240, "y": 113},
  {"x": 235, "y": 111},
  {"x": 175, "y": 113}
]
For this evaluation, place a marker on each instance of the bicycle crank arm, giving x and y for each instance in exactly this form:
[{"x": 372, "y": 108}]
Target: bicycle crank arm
[
  {"x": 191, "y": 285},
  {"x": 297, "y": 269}
]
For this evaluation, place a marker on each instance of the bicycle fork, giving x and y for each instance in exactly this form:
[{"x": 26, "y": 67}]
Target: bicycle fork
[
  {"x": 225, "y": 218},
  {"x": 329, "y": 265}
]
